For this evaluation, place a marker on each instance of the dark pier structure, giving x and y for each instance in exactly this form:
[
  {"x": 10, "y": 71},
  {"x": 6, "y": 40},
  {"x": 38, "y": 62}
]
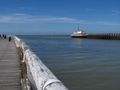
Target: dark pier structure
[
  {"x": 108, "y": 36},
  {"x": 111, "y": 36}
]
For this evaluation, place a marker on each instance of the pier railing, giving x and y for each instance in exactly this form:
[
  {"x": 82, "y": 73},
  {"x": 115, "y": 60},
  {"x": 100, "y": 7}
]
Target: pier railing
[{"x": 40, "y": 77}]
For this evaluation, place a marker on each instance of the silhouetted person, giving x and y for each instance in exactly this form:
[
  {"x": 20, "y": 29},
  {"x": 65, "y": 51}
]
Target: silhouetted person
[
  {"x": 4, "y": 36},
  {"x": 10, "y": 39}
]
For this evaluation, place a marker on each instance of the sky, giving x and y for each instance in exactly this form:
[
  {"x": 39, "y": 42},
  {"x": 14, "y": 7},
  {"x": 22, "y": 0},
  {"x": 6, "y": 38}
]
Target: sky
[{"x": 59, "y": 16}]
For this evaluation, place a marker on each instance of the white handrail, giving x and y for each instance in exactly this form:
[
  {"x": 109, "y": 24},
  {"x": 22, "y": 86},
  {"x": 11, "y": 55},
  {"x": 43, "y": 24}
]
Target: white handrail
[{"x": 38, "y": 74}]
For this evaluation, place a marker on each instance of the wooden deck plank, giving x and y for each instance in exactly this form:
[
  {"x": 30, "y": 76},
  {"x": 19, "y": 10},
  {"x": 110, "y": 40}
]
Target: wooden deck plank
[{"x": 9, "y": 66}]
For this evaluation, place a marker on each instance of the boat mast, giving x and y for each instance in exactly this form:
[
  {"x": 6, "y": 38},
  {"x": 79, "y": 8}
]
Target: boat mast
[{"x": 78, "y": 28}]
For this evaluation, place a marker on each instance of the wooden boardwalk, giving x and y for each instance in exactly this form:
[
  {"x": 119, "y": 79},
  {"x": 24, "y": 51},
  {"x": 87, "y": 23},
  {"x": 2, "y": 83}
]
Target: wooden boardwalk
[{"x": 10, "y": 72}]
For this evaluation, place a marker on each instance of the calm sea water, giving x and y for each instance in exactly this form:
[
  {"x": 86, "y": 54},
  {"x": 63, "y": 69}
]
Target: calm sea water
[{"x": 81, "y": 64}]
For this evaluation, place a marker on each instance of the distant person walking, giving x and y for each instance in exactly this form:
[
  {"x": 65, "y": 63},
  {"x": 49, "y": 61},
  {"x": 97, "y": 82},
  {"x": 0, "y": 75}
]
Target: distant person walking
[
  {"x": 5, "y": 37},
  {"x": 10, "y": 38}
]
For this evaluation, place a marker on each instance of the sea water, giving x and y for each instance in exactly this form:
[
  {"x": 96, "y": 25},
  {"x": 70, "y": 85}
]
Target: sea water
[{"x": 81, "y": 64}]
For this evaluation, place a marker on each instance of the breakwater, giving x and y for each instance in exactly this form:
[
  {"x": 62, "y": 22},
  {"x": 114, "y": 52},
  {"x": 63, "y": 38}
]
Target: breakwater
[
  {"x": 113, "y": 36},
  {"x": 109, "y": 36},
  {"x": 34, "y": 73}
]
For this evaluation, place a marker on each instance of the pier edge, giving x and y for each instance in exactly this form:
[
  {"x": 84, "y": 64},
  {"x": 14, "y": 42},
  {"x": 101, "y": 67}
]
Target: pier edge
[{"x": 34, "y": 72}]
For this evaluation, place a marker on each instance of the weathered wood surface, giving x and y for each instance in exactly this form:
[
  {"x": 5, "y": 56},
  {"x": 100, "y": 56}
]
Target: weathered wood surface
[
  {"x": 9, "y": 66},
  {"x": 40, "y": 77}
]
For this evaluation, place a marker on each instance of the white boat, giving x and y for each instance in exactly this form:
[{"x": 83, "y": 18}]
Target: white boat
[{"x": 79, "y": 34}]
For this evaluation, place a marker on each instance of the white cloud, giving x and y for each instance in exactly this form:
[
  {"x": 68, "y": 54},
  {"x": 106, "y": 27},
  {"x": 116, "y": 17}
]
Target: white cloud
[{"x": 24, "y": 18}]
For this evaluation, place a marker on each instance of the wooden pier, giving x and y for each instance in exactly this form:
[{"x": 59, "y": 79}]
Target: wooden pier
[
  {"x": 10, "y": 72},
  {"x": 21, "y": 69}
]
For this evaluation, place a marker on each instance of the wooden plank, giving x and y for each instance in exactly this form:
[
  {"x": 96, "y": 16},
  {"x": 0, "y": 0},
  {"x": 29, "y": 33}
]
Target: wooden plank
[{"x": 9, "y": 66}]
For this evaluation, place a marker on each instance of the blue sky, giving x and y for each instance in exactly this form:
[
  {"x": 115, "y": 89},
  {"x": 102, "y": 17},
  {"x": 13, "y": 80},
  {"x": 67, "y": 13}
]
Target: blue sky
[{"x": 59, "y": 16}]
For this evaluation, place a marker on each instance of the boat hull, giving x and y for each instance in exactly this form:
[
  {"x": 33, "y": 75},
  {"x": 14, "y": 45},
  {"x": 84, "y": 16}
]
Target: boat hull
[{"x": 79, "y": 36}]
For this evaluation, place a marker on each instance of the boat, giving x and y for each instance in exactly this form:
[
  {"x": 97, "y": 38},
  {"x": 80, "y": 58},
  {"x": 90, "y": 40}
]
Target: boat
[{"x": 79, "y": 34}]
